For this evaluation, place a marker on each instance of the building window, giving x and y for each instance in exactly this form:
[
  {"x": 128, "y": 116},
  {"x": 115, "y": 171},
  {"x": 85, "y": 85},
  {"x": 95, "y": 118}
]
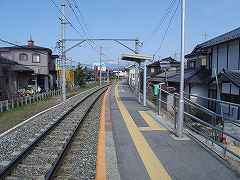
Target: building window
[
  {"x": 36, "y": 58},
  {"x": 204, "y": 61},
  {"x": 23, "y": 57},
  {"x": 152, "y": 70}
]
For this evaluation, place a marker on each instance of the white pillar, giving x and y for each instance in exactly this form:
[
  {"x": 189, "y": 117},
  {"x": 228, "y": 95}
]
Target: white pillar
[
  {"x": 181, "y": 99},
  {"x": 139, "y": 87},
  {"x": 144, "y": 83},
  {"x": 136, "y": 80}
]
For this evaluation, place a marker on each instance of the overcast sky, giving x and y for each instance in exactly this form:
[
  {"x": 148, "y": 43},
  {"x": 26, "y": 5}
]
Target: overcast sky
[{"x": 118, "y": 19}]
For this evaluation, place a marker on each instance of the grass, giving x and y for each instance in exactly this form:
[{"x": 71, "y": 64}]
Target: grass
[{"x": 15, "y": 116}]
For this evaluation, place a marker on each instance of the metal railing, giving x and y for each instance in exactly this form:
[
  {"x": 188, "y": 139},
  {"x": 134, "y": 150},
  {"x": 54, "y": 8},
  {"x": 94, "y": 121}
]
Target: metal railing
[{"x": 204, "y": 124}]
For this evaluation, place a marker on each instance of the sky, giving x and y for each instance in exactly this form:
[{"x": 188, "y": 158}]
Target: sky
[{"x": 205, "y": 19}]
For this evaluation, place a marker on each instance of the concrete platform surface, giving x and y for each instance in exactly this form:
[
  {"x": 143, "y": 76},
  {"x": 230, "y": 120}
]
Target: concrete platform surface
[{"x": 146, "y": 150}]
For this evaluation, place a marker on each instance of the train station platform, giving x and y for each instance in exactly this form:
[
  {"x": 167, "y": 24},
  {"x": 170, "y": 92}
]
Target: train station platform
[{"x": 139, "y": 147}]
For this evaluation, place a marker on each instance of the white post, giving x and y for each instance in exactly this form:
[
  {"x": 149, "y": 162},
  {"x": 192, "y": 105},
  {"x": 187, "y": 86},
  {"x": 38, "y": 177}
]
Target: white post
[
  {"x": 63, "y": 57},
  {"x": 144, "y": 83},
  {"x": 118, "y": 69},
  {"x": 108, "y": 76},
  {"x": 100, "y": 71},
  {"x": 139, "y": 87},
  {"x": 181, "y": 100}
]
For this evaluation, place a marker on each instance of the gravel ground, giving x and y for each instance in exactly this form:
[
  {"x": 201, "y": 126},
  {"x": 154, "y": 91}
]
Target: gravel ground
[
  {"x": 79, "y": 161},
  {"x": 19, "y": 139},
  {"x": 14, "y": 140}
]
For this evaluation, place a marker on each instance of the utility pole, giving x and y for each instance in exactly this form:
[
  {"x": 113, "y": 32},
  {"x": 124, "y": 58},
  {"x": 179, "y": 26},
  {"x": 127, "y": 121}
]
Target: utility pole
[
  {"x": 181, "y": 99},
  {"x": 205, "y": 35},
  {"x": 138, "y": 72},
  {"x": 108, "y": 80},
  {"x": 100, "y": 71},
  {"x": 118, "y": 69},
  {"x": 63, "y": 56}
]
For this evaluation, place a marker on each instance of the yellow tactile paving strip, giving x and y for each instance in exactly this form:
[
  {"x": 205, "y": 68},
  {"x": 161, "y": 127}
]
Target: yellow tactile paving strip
[
  {"x": 152, "y": 164},
  {"x": 153, "y": 125}
]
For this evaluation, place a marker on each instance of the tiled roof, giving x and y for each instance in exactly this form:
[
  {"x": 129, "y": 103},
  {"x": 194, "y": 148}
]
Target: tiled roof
[
  {"x": 188, "y": 73},
  {"x": 14, "y": 65},
  {"x": 232, "y": 76},
  {"x": 34, "y": 48},
  {"x": 232, "y": 35},
  {"x": 162, "y": 61},
  {"x": 154, "y": 64},
  {"x": 170, "y": 59},
  {"x": 7, "y": 61},
  {"x": 190, "y": 76}
]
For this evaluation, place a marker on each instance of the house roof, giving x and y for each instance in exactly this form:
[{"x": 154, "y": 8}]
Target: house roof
[
  {"x": 33, "y": 48},
  {"x": 232, "y": 35},
  {"x": 14, "y": 65},
  {"x": 230, "y": 76},
  {"x": 188, "y": 73},
  {"x": 169, "y": 59},
  {"x": 193, "y": 76},
  {"x": 162, "y": 61},
  {"x": 154, "y": 64},
  {"x": 7, "y": 61},
  {"x": 190, "y": 76}
]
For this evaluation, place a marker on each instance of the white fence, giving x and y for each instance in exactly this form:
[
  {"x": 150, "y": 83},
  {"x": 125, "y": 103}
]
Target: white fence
[{"x": 14, "y": 102}]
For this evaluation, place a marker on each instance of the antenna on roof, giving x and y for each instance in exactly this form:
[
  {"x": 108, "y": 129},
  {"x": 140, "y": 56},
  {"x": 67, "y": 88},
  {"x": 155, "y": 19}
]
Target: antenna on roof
[{"x": 205, "y": 36}]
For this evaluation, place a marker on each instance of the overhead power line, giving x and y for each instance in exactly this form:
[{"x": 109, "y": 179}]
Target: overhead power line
[
  {"x": 79, "y": 21},
  {"x": 68, "y": 21},
  {"x": 76, "y": 4},
  {"x": 71, "y": 24},
  {"x": 162, "y": 20},
  {"x": 167, "y": 29},
  {"x": 76, "y": 16}
]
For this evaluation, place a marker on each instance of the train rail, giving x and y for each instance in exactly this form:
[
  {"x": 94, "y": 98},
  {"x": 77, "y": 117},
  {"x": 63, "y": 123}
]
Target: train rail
[
  {"x": 36, "y": 152},
  {"x": 79, "y": 159}
]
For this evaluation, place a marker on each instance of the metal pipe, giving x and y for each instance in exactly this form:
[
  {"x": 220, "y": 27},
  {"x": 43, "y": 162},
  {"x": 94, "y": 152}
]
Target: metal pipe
[
  {"x": 144, "y": 83},
  {"x": 181, "y": 100},
  {"x": 118, "y": 70},
  {"x": 63, "y": 57},
  {"x": 215, "y": 100},
  {"x": 100, "y": 71},
  {"x": 139, "y": 87}
]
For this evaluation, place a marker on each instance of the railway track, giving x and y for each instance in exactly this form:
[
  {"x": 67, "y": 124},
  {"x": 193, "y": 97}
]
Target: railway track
[
  {"x": 79, "y": 159},
  {"x": 39, "y": 157}
]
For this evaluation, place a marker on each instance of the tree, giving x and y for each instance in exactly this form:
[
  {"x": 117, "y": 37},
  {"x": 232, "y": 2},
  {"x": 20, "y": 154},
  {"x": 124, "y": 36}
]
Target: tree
[{"x": 80, "y": 75}]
